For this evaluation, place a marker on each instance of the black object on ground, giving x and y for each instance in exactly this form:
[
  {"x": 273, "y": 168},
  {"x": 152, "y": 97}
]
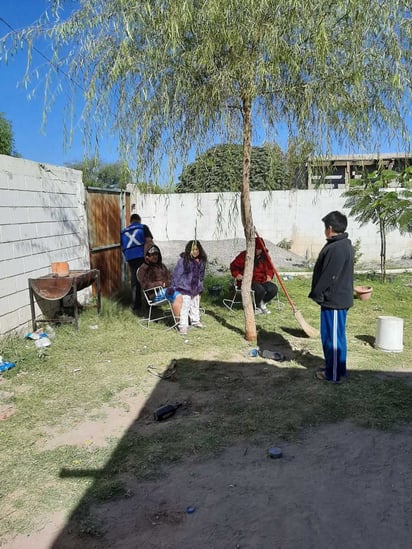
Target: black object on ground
[
  {"x": 274, "y": 355},
  {"x": 164, "y": 412},
  {"x": 275, "y": 453}
]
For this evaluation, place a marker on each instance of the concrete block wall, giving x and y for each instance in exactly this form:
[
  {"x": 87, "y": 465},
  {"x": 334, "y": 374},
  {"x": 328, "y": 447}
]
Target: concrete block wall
[
  {"x": 42, "y": 220},
  {"x": 278, "y": 215}
]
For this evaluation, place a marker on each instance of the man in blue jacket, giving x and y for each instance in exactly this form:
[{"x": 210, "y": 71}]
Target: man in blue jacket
[
  {"x": 133, "y": 238},
  {"x": 332, "y": 289}
]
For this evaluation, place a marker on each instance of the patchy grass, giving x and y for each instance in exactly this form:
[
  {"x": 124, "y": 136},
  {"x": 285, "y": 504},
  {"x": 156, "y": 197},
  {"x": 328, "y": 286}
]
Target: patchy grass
[{"x": 227, "y": 396}]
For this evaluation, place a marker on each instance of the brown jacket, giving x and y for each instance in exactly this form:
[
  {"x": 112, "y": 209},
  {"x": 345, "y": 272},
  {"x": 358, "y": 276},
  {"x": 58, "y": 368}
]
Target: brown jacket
[{"x": 153, "y": 274}]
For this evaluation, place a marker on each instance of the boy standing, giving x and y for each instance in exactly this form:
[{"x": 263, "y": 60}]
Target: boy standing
[{"x": 332, "y": 289}]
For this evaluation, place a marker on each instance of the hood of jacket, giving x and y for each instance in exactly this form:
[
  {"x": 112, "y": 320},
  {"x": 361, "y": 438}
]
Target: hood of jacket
[{"x": 148, "y": 247}]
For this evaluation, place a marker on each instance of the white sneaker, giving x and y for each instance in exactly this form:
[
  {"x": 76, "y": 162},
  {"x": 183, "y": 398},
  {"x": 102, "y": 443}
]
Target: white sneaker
[
  {"x": 198, "y": 325},
  {"x": 258, "y": 311},
  {"x": 263, "y": 308}
]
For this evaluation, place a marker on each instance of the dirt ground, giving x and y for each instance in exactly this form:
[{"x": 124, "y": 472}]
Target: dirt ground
[{"x": 338, "y": 487}]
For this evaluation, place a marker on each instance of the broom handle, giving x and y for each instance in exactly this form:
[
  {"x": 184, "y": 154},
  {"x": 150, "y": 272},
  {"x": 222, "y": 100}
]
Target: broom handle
[{"x": 276, "y": 273}]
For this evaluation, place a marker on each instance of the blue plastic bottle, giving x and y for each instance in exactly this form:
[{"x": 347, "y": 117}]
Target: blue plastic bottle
[{"x": 6, "y": 366}]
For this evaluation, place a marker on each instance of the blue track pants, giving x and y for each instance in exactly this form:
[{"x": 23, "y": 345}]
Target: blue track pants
[{"x": 333, "y": 335}]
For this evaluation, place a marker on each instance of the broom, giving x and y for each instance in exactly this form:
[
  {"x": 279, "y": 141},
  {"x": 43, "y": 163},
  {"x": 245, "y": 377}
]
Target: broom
[{"x": 307, "y": 328}]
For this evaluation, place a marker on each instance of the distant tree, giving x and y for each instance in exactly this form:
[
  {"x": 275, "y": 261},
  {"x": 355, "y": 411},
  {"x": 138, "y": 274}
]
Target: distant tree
[
  {"x": 295, "y": 161},
  {"x": 153, "y": 188},
  {"x": 6, "y": 137},
  {"x": 103, "y": 175},
  {"x": 219, "y": 169},
  {"x": 372, "y": 200}
]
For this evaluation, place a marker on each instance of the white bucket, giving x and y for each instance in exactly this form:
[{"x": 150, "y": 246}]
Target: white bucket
[{"x": 389, "y": 334}]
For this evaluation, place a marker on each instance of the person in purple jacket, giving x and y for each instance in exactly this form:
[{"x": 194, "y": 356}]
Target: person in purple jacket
[{"x": 187, "y": 278}]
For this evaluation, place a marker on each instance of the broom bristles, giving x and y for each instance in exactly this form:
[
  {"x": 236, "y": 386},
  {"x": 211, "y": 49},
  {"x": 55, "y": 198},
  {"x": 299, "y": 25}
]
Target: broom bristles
[{"x": 307, "y": 328}]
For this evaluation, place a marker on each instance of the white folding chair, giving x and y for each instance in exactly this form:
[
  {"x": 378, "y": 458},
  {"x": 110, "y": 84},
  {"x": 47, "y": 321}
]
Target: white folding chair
[
  {"x": 154, "y": 298},
  {"x": 230, "y": 303},
  {"x": 237, "y": 298}
]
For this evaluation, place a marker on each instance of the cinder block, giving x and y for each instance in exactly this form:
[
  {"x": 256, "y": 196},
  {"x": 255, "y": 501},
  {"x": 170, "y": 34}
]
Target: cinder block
[
  {"x": 4, "y": 252},
  {"x": 18, "y": 300},
  {"x": 22, "y": 248},
  {"x": 6, "y": 181},
  {"x": 8, "y": 286},
  {"x": 13, "y": 267},
  {"x": 10, "y": 233}
]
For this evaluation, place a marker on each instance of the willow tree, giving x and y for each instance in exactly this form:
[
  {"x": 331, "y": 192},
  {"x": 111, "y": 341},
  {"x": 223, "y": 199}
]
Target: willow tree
[{"x": 174, "y": 76}]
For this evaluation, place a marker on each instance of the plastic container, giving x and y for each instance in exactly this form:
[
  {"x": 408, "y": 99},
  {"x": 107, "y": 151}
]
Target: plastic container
[
  {"x": 43, "y": 341},
  {"x": 275, "y": 453},
  {"x": 215, "y": 291},
  {"x": 60, "y": 268},
  {"x": 50, "y": 333},
  {"x": 389, "y": 334},
  {"x": 363, "y": 292}
]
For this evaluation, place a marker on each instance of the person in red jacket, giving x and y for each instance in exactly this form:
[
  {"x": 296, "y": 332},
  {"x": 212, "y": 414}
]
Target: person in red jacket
[{"x": 262, "y": 284}]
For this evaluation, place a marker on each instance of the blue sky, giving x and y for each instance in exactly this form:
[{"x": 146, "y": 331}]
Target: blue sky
[
  {"x": 25, "y": 114},
  {"x": 47, "y": 144}
]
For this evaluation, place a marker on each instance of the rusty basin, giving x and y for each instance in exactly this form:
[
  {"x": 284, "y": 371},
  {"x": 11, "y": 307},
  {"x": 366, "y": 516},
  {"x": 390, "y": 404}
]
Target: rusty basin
[{"x": 52, "y": 288}]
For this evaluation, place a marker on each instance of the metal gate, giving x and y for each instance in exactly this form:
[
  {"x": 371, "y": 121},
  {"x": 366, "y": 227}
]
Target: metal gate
[{"x": 106, "y": 214}]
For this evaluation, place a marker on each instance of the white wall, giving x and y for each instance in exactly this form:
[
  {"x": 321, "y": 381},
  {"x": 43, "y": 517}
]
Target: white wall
[
  {"x": 42, "y": 220},
  {"x": 278, "y": 215}
]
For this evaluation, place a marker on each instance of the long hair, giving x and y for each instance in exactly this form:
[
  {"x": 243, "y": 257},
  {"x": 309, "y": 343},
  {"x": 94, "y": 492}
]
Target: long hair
[{"x": 187, "y": 255}]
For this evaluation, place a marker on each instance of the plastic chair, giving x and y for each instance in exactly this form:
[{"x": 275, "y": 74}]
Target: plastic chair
[
  {"x": 237, "y": 296},
  {"x": 154, "y": 298}
]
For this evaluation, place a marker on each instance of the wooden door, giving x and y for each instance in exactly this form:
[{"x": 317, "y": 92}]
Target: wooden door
[{"x": 107, "y": 212}]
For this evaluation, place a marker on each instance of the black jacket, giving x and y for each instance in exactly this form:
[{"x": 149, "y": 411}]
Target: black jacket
[{"x": 332, "y": 280}]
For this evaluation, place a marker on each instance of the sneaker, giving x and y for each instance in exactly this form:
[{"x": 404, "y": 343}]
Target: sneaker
[
  {"x": 259, "y": 311},
  {"x": 264, "y": 308},
  {"x": 274, "y": 355},
  {"x": 183, "y": 330},
  {"x": 198, "y": 325}
]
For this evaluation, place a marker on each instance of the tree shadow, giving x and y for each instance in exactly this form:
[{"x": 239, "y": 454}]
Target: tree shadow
[
  {"x": 370, "y": 340},
  {"x": 223, "y": 320},
  {"x": 274, "y": 341},
  {"x": 295, "y": 332}
]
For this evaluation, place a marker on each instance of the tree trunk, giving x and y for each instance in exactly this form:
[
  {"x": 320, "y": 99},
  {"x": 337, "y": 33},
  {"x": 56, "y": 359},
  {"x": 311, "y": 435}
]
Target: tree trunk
[
  {"x": 247, "y": 222},
  {"x": 382, "y": 231}
]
